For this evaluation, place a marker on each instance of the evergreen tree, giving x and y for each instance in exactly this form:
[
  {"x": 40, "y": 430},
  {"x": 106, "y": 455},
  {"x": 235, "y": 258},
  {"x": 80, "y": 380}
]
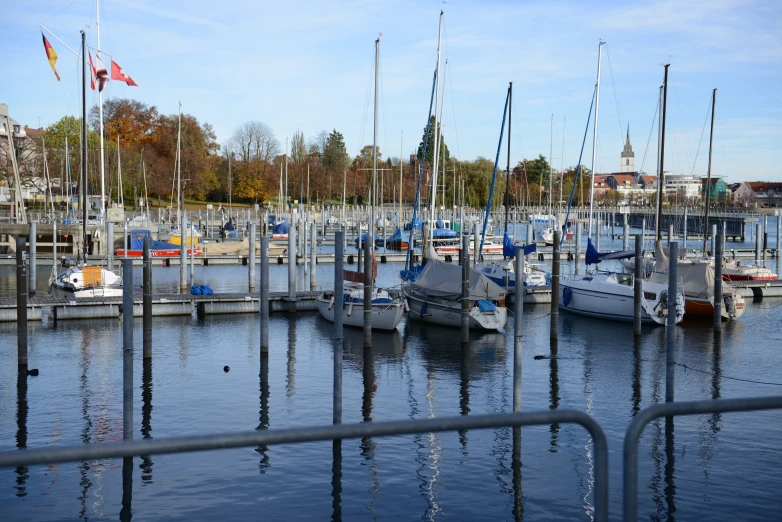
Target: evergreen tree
[
  {"x": 444, "y": 154},
  {"x": 335, "y": 155}
]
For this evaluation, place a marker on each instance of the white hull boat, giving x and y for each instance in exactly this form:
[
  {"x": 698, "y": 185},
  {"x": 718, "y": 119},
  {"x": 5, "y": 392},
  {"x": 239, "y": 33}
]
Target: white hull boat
[
  {"x": 86, "y": 281},
  {"x": 447, "y": 312},
  {"x": 610, "y": 296},
  {"x": 386, "y": 312},
  {"x": 533, "y": 276}
]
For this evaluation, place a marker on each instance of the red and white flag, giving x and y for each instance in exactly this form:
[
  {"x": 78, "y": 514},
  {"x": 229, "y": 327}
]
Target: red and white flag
[
  {"x": 92, "y": 73},
  {"x": 101, "y": 75},
  {"x": 118, "y": 74}
]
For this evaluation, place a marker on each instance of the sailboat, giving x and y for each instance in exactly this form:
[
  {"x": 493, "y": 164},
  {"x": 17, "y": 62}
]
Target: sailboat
[
  {"x": 386, "y": 310},
  {"x": 84, "y": 279},
  {"x": 608, "y": 295}
]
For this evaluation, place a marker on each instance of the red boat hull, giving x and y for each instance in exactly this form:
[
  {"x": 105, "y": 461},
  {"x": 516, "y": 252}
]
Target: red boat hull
[{"x": 155, "y": 253}]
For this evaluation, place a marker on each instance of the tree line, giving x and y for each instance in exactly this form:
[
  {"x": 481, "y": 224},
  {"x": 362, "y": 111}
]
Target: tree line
[{"x": 252, "y": 166}]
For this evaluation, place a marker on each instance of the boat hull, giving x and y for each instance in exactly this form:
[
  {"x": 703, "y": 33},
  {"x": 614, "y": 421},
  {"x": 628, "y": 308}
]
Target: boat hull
[
  {"x": 384, "y": 316},
  {"x": 83, "y": 293},
  {"x": 155, "y": 253},
  {"x": 397, "y": 245},
  {"x": 450, "y": 314},
  {"x": 702, "y": 308}
]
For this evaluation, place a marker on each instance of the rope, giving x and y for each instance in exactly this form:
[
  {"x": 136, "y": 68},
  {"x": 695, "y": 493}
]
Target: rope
[{"x": 616, "y": 99}]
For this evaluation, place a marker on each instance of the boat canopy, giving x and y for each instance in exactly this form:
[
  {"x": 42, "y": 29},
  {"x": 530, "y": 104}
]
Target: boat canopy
[
  {"x": 443, "y": 233},
  {"x": 137, "y": 238},
  {"x": 416, "y": 224},
  {"x": 509, "y": 248},
  {"x": 441, "y": 279},
  {"x": 364, "y": 236},
  {"x": 399, "y": 236},
  {"x": 696, "y": 276},
  {"x": 283, "y": 227},
  {"x": 230, "y": 225},
  {"x": 593, "y": 257}
]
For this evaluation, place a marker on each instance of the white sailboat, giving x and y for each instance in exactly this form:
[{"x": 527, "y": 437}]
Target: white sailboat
[
  {"x": 608, "y": 295},
  {"x": 85, "y": 280},
  {"x": 386, "y": 310}
]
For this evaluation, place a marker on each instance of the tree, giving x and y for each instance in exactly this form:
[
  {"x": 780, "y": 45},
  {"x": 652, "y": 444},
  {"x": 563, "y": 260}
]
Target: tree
[
  {"x": 298, "y": 148},
  {"x": 317, "y": 145},
  {"x": 444, "y": 154},
  {"x": 135, "y": 122},
  {"x": 335, "y": 155},
  {"x": 254, "y": 140}
]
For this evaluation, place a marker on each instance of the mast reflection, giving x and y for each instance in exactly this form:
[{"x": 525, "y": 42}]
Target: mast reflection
[
  {"x": 263, "y": 417},
  {"x": 146, "y": 419},
  {"x": 290, "y": 382},
  {"x": 22, "y": 472},
  {"x": 554, "y": 393}
]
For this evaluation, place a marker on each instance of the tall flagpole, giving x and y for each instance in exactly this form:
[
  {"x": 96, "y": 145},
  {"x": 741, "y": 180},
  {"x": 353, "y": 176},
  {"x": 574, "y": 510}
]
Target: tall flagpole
[{"x": 100, "y": 111}]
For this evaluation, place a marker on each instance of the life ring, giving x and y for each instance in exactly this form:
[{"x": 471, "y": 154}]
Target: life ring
[{"x": 566, "y": 296}]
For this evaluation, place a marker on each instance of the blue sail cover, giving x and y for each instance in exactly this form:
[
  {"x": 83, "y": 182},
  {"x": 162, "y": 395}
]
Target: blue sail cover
[
  {"x": 509, "y": 249},
  {"x": 443, "y": 233},
  {"x": 593, "y": 257},
  {"x": 399, "y": 237},
  {"x": 230, "y": 225},
  {"x": 414, "y": 225},
  {"x": 281, "y": 228},
  {"x": 363, "y": 237},
  {"x": 137, "y": 238}
]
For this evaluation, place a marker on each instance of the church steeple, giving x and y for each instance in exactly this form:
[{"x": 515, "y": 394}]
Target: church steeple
[{"x": 627, "y": 163}]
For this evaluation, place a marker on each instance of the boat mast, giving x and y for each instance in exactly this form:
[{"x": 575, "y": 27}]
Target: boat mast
[
  {"x": 371, "y": 228},
  {"x": 100, "y": 112},
  {"x": 550, "y": 166},
  {"x": 561, "y": 174},
  {"x": 179, "y": 198},
  {"x": 120, "y": 194},
  {"x": 84, "y": 144},
  {"x": 401, "y": 148},
  {"x": 661, "y": 175},
  {"x": 594, "y": 139},
  {"x": 507, "y": 169},
  {"x": 708, "y": 178},
  {"x": 436, "y": 155}
]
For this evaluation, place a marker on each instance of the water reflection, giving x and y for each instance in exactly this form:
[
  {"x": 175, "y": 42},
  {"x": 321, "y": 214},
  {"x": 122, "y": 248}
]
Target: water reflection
[
  {"x": 368, "y": 445},
  {"x": 125, "y": 514},
  {"x": 670, "y": 471},
  {"x": 86, "y": 433},
  {"x": 518, "y": 507},
  {"x": 554, "y": 393},
  {"x": 636, "y": 395},
  {"x": 290, "y": 381},
  {"x": 440, "y": 347},
  {"x": 263, "y": 418},
  {"x": 386, "y": 348},
  {"x": 464, "y": 391},
  {"x": 336, "y": 480},
  {"x": 146, "y": 419},
  {"x": 22, "y": 472}
]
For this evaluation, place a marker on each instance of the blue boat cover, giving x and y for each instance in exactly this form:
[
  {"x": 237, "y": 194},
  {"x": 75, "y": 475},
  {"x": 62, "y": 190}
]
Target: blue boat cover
[
  {"x": 398, "y": 236},
  {"x": 281, "y": 228},
  {"x": 509, "y": 249},
  {"x": 412, "y": 274},
  {"x": 484, "y": 305},
  {"x": 593, "y": 257},
  {"x": 364, "y": 235},
  {"x": 443, "y": 233},
  {"x": 201, "y": 290},
  {"x": 230, "y": 225},
  {"x": 137, "y": 238},
  {"x": 414, "y": 225},
  {"x": 439, "y": 223}
]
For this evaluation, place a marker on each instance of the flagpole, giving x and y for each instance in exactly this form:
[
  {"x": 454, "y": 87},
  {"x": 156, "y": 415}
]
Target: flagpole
[
  {"x": 100, "y": 110},
  {"x": 58, "y": 39}
]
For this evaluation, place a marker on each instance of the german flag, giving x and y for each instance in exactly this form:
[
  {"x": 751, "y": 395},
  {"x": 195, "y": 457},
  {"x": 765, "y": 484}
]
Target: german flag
[{"x": 50, "y": 55}]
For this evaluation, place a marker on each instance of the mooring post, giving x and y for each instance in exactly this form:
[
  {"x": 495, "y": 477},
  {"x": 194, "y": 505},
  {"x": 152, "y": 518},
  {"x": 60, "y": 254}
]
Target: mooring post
[
  {"x": 626, "y": 235},
  {"x": 110, "y": 244},
  {"x": 555, "y": 271},
  {"x": 765, "y": 245},
  {"x": 264, "y": 297},
  {"x": 578, "y": 249},
  {"x": 183, "y": 252},
  {"x": 717, "y": 283},
  {"x": 251, "y": 258},
  {"x": 465, "y": 324},
  {"x": 147, "y": 299},
  {"x": 33, "y": 256},
  {"x": 684, "y": 233},
  {"x": 313, "y": 255},
  {"x": 671, "y": 324},
  {"x": 518, "y": 314},
  {"x": 292, "y": 262},
  {"x": 758, "y": 239},
  {"x": 21, "y": 304},
  {"x": 530, "y": 232},
  {"x": 54, "y": 244},
  {"x": 368, "y": 240},
  {"x": 779, "y": 245},
  {"x": 476, "y": 244},
  {"x": 637, "y": 289},
  {"x": 339, "y": 298},
  {"x": 127, "y": 349},
  {"x": 670, "y": 234}
]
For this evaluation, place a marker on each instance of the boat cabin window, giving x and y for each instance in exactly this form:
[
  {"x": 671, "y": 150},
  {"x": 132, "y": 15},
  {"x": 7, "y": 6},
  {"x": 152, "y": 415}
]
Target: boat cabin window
[
  {"x": 624, "y": 279},
  {"x": 650, "y": 296}
]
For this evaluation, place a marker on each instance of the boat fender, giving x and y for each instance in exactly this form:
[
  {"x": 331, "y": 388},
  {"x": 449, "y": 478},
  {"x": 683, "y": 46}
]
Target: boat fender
[
  {"x": 331, "y": 303},
  {"x": 567, "y": 294},
  {"x": 350, "y": 308}
]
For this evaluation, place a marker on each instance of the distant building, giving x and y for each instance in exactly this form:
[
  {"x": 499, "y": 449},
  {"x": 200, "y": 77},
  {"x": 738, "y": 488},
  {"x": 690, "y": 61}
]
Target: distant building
[
  {"x": 627, "y": 163},
  {"x": 718, "y": 192},
  {"x": 761, "y": 193},
  {"x": 625, "y": 186},
  {"x": 682, "y": 188}
]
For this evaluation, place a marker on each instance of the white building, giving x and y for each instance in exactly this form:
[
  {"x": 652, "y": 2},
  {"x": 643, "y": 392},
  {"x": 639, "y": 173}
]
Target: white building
[{"x": 682, "y": 188}]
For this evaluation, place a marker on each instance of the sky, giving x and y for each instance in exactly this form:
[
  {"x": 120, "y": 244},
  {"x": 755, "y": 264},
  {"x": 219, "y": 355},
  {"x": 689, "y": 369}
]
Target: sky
[{"x": 309, "y": 66}]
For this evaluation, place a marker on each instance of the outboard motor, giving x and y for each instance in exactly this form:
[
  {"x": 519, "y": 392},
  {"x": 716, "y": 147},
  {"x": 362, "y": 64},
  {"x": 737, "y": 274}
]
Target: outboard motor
[{"x": 730, "y": 305}]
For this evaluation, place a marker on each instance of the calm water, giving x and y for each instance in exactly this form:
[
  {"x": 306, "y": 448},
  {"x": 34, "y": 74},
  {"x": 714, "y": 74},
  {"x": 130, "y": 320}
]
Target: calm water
[{"x": 715, "y": 467}]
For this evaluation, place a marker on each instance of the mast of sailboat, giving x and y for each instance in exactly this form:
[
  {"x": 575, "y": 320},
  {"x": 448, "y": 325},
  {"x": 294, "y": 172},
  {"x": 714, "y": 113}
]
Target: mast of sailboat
[
  {"x": 436, "y": 155},
  {"x": 179, "y": 198},
  {"x": 507, "y": 169},
  {"x": 371, "y": 228},
  {"x": 84, "y": 144},
  {"x": 146, "y": 194},
  {"x": 100, "y": 112},
  {"x": 69, "y": 205},
  {"x": 561, "y": 173},
  {"x": 550, "y": 167},
  {"x": 661, "y": 174},
  {"x": 708, "y": 178},
  {"x": 120, "y": 194},
  {"x": 594, "y": 138},
  {"x": 401, "y": 148},
  {"x": 494, "y": 174}
]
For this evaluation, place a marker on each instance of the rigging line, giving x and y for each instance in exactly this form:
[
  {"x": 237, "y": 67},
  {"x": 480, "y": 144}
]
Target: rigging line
[
  {"x": 383, "y": 106},
  {"x": 651, "y": 130},
  {"x": 366, "y": 108},
  {"x": 700, "y": 141},
  {"x": 681, "y": 121},
  {"x": 706, "y": 372},
  {"x": 58, "y": 12},
  {"x": 613, "y": 86}
]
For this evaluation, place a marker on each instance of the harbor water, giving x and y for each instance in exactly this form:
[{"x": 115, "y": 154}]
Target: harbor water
[{"x": 711, "y": 467}]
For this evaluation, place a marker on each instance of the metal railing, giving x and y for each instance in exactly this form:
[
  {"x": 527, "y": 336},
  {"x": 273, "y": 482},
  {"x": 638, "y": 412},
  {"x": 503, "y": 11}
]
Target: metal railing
[
  {"x": 329, "y": 432},
  {"x": 671, "y": 409}
]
